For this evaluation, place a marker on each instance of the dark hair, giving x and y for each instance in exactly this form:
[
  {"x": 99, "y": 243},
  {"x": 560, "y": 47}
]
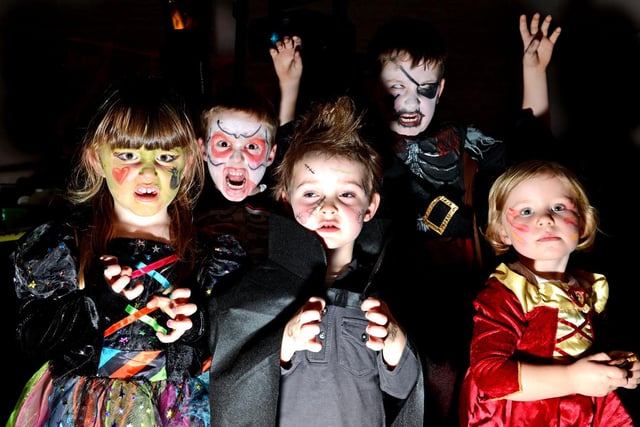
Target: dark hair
[{"x": 407, "y": 37}]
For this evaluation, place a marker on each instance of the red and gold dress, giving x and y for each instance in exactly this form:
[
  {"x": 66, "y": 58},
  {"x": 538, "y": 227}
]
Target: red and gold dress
[{"x": 521, "y": 318}]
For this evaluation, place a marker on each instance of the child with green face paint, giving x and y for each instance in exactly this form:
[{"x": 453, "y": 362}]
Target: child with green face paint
[{"x": 115, "y": 296}]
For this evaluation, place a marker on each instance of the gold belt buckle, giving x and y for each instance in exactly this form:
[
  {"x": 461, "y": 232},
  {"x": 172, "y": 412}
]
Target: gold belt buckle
[{"x": 445, "y": 221}]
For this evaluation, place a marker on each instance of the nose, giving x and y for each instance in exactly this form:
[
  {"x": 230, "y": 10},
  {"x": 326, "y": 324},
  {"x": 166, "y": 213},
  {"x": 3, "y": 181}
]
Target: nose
[
  {"x": 546, "y": 218},
  {"x": 236, "y": 156},
  {"x": 411, "y": 100},
  {"x": 328, "y": 207},
  {"x": 148, "y": 169}
]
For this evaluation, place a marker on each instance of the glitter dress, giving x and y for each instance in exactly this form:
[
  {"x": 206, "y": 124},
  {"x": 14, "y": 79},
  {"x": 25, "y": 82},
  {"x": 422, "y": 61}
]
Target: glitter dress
[{"x": 109, "y": 368}]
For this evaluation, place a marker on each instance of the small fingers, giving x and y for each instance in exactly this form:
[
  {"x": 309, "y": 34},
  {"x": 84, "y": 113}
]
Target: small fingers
[
  {"x": 535, "y": 22},
  {"x": 131, "y": 293},
  {"x": 554, "y": 36}
]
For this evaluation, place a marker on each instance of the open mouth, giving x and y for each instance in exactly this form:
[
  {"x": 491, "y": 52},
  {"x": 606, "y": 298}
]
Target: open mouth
[
  {"x": 235, "y": 180},
  {"x": 146, "y": 193},
  {"x": 235, "y": 183},
  {"x": 410, "y": 120},
  {"x": 328, "y": 227}
]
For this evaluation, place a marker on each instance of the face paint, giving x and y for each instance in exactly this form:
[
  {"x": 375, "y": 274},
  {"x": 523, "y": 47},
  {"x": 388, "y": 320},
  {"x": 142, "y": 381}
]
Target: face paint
[
  {"x": 541, "y": 222},
  {"x": 328, "y": 197},
  {"x": 142, "y": 181},
  {"x": 428, "y": 90},
  {"x": 238, "y": 153},
  {"x": 120, "y": 174},
  {"x": 409, "y": 97},
  {"x": 175, "y": 179}
]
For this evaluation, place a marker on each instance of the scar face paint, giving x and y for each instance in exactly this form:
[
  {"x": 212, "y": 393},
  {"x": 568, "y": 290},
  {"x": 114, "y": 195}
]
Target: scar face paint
[
  {"x": 328, "y": 197},
  {"x": 142, "y": 181},
  {"x": 238, "y": 153},
  {"x": 409, "y": 96}
]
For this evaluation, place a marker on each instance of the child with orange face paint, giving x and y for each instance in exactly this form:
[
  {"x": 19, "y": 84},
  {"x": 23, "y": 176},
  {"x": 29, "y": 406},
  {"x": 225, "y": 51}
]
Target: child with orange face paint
[
  {"x": 115, "y": 295},
  {"x": 533, "y": 351}
]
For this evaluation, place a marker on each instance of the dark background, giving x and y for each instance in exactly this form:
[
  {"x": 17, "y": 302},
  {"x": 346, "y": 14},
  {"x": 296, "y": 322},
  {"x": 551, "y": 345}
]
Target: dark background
[{"x": 57, "y": 56}]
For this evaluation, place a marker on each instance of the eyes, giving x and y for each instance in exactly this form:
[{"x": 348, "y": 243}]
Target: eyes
[
  {"x": 253, "y": 148},
  {"x": 345, "y": 195},
  {"x": 163, "y": 157},
  {"x": 428, "y": 90},
  {"x": 526, "y": 212}
]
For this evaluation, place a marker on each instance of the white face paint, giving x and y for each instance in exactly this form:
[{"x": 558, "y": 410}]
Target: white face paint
[
  {"x": 410, "y": 96},
  {"x": 238, "y": 153}
]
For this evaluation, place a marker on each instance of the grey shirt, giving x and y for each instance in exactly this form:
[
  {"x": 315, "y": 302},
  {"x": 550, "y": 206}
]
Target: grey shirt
[{"x": 344, "y": 383}]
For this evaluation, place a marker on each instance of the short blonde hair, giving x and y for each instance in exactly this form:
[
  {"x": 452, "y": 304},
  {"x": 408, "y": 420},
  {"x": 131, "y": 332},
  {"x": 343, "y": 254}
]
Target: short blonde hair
[{"x": 505, "y": 183}]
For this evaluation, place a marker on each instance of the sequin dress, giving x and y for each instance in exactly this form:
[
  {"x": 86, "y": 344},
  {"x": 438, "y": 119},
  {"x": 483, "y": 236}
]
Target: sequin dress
[{"x": 109, "y": 367}]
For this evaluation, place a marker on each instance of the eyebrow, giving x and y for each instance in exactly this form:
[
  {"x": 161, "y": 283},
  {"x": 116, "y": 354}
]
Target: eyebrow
[{"x": 237, "y": 135}]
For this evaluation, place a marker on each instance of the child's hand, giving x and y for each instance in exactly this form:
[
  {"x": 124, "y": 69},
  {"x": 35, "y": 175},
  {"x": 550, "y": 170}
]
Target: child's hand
[
  {"x": 633, "y": 375},
  {"x": 593, "y": 376},
  {"x": 287, "y": 60},
  {"x": 628, "y": 361},
  {"x": 177, "y": 307},
  {"x": 384, "y": 332},
  {"x": 301, "y": 330},
  {"x": 538, "y": 46},
  {"x": 119, "y": 277}
]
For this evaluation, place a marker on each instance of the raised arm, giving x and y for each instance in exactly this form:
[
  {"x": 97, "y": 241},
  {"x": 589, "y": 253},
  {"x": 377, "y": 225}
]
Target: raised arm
[
  {"x": 538, "y": 46},
  {"x": 287, "y": 63}
]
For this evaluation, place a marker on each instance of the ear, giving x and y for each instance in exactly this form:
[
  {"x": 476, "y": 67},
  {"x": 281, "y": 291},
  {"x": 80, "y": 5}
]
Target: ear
[
  {"x": 373, "y": 207},
  {"x": 93, "y": 158},
  {"x": 284, "y": 198},
  {"x": 272, "y": 155},
  {"x": 504, "y": 237},
  {"x": 440, "y": 90},
  {"x": 203, "y": 149}
]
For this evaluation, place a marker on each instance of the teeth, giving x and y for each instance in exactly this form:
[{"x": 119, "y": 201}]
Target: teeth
[
  {"x": 145, "y": 191},
  {"x": 236, "y": 183}
]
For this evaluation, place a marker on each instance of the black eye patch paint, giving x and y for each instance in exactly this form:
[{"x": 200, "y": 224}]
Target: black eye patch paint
[{"x": 428, "y": 90}]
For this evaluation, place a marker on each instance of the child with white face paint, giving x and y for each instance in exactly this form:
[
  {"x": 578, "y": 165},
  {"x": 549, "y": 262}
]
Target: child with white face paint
[
  {"x": 437, "y": 173},
  {"x": 537, "y": 319},
  {"x": 309, "y": 335},
  {"x": 115, "y": 295},
  {"x": 240, "y": 146},
  {"x": 240, "y": 135},
  {"x": 239, "y": 129}
]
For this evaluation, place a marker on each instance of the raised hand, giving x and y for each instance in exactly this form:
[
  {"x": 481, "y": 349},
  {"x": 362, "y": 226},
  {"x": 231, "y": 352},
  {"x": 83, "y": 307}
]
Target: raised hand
[
  {"x": 538, "y": 43},
  {"x": 287, "y": 63}
]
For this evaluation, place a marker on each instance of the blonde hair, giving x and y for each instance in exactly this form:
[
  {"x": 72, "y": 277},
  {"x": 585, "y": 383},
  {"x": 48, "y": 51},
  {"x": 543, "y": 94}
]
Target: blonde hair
[
  {"x": 501, "y": 188},
  {"x": 243, "y": 100}
]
